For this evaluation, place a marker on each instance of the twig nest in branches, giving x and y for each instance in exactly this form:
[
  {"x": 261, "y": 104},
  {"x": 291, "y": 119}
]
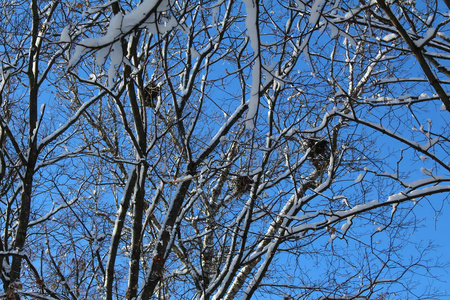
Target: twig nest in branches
[
  {"x": 319, "y": 147},
  {"x": 151, "y": 92},
  {"x": 241, "y": 184},
  {"x": 320, "y": 151}
]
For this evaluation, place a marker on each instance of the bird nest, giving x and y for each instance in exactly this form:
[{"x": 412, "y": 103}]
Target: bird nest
[
  {"x": 241, "y": 184},
  {"x": 319, "y": 147},
  {"x": 320, "y": 152},
  {"x": 151, "y": 93}
]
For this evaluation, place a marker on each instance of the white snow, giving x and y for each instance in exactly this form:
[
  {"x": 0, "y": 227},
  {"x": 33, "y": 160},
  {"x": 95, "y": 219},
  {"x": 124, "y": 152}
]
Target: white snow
[
  {"x": 97, "y": 8},
  {"x": 251, "y": 23},
  {"x": 332, "y": 237},
  {"x": 423, "y": 96},
  {"x": 65, "y": 37},
  {"x": 42, "y": 108},
  {"x": 101, "y": 56},
  {"x": 431, "y": 32},
  {"x": 425, "y": 171},
  {"x": 359, "y": 178},
  {"x": 253, "y": 103},
  {"x": 214, "y": 14},
  {"x": 315, "y": 11},
  {"x": 390, "y": 37},
  {"x": 334, "y": 30},
  {"x": 114, "y": 28},
  {"x": 347, "y": 224},
  {"x": 345, "y": 202},
  {"x": 365, "y": 206},
  {"x": 379, "y": 228},
  {"x": 120, "y": 25},
  {"x": 132, "y": 18},
  {"x": 400, "y": 79},
  {"x": 420, "y": 192},
  {"x": 430, "y": 144},
  {"x": 116, "y": 60},
  {"x": 194, "y": 52},
  {"x": 394, "y": 208},
  {"x": 79, "y": 50}
]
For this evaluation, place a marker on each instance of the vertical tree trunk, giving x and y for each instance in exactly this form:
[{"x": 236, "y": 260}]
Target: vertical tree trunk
[{"x": 27, "y": 181}]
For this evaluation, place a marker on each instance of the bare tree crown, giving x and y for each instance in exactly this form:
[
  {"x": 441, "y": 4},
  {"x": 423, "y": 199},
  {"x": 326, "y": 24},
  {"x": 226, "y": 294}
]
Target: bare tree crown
[{"x": 221, "y": 149}]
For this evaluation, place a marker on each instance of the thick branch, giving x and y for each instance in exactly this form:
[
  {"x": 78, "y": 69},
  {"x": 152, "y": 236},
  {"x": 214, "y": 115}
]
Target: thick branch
[{"x": 418, "y": 54}]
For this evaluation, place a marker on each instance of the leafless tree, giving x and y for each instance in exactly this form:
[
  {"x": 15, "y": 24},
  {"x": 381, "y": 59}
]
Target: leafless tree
[{"x": 221, "y": 149}]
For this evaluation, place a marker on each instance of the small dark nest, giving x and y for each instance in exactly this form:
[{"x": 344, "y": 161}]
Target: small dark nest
[
  {"x": 320, "y": 152},
  {"x": 319, "y": 148},
  {"x": 151, "y": 93},
  {"x": 241, "y": 184}
]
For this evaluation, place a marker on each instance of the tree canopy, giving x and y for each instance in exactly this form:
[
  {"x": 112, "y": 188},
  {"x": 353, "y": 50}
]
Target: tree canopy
[{"x": 226, "y": 149}]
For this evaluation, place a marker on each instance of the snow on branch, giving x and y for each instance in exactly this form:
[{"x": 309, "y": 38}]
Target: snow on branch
[
  {"x": 119, "y": 26},
  {"x": 251, "y": 23}
]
